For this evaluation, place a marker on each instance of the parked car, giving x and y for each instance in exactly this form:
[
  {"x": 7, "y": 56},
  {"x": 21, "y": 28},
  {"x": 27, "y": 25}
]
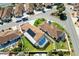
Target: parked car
[
  {"x": 24, "y": 19},
  {"x": 18, "y": 21},
  {"x": 44, "y": 11},
  {"x": 7, "y": 20},
  {"x": 1, "y": 23},
  {"x": 49, "y": 7}
]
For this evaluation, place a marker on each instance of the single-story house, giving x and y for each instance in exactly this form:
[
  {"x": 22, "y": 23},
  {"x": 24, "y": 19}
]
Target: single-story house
[
  {"x": 1, "y": 12},
  {"x": 38, "y": 6},
  {"x": 19, "y": 9},
  {"x": 34, "y": 35},
  {"x": 29, "y": 8},
  {"x": 8, "y": 37},
  {"x": 52, "y": 31},
  {"x": 7, "y": 14}
]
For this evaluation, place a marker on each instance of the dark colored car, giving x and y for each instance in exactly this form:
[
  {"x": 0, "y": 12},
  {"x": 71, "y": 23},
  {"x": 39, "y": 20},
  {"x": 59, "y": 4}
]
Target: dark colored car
[
  {"x": 1, "y": 23},
  {"x": 44, "y": 11},
  {"x": 49, "y": 7},
  {"x": 18, "y": 21},
  {"x": 24, "y": 19}
]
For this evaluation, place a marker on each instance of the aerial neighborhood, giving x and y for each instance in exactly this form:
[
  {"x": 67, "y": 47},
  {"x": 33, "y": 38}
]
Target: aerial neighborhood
[{"x": 39, "y": 29}]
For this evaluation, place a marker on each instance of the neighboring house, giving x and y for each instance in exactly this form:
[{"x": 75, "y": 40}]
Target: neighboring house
[
  {"x": 29, "y": 7},
  {"x": 77, "y": 22},
  {"x": 8, "y": 37},
  {"x": 48, "y": 5},
  {"x": 3, "y": 5},
  {"x": 4, "y": 54},
  {"x": 34, "y": 35},
  {"x": 39, "y": 6},
  {"x": 1, "y": 12},
  {"x": 52, "y": 31},
  {"x": 7, "y": 14},
  {"x": 76, "y": 8},
  {"x": 19, "y": 9}
]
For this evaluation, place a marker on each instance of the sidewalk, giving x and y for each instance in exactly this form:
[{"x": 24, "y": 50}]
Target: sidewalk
[{"x": 68, "y": 44}]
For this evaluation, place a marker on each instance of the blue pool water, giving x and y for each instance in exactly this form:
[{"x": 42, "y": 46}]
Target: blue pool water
[{"x": 42, "y": 41}]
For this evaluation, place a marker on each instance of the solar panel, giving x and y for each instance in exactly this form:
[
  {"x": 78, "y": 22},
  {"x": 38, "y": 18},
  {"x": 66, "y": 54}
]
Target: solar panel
[{"x": 31, "y": 32}]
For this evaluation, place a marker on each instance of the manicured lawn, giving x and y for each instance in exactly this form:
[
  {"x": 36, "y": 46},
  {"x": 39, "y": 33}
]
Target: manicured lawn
[
  {"x": 29, "y": 47},
  {"x": 58, "y": 26}
]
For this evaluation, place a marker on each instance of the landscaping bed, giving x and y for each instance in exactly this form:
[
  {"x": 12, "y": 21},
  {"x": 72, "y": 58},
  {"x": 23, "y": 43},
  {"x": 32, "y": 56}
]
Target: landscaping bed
[{"x": 61, "y": 45}]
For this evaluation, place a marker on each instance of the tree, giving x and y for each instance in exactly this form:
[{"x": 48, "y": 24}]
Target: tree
[
  {"x": 49, "y": 53},
  {"x": 63, "y": 16},
  {"x": 60, "y": 53},
  {"x": 57, "y": 3},
  {"x": 17, "y": 49},
  {"x": 60, "y": 7},
  {"x": 20, "y": 45},
  {"x": 13, "y": 4}
]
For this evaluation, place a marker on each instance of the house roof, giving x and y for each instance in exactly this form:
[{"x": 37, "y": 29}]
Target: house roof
[
  {"x": 1, "y": 12},
  {"x": 51, "y": 29},
  {"x": 47, "y": 4},
  {"x": 39, "y": 5},
  {"x": 18, "y": 9},
  {"x": 29, "y": 6},
  {"x": 7, "y": 11},
  {"x": 8, "y": 35},
  {"x": 3, "y": 5},
  {"x": 37, "y": 31}
]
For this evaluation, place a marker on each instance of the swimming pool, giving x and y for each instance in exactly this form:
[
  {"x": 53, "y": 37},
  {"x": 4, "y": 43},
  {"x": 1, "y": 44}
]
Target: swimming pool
[{"x": 42, "y": 41}]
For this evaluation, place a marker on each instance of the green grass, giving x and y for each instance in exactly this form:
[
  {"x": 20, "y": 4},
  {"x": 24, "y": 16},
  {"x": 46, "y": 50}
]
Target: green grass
[
  {"x": 61, "y": 45},
  {"x": 39, "y": 21},
  {"x": 29, "y": 47},
  {"x": 58, "y": 26},
  {"x": 58, "y": 44}
]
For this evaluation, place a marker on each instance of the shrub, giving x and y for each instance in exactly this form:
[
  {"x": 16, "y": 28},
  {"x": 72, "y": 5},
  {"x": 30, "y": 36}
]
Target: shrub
[
  {"x": 60, "y": 53},
  {"x": 39, "y": 21},
  {"x": 60, "y": 7}
]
